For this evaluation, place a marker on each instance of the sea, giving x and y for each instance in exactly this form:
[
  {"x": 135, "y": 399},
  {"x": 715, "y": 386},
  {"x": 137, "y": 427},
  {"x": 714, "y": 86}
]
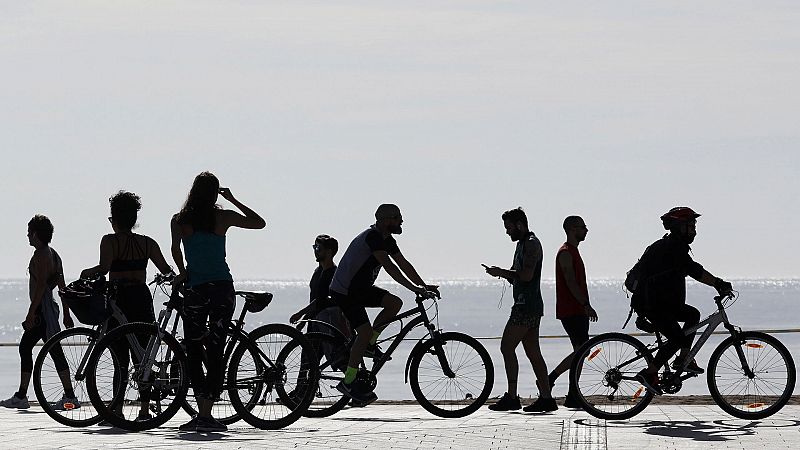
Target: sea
[{"x": 480, "y": 308}]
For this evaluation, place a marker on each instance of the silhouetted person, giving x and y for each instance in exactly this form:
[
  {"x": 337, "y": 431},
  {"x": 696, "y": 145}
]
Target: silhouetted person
[
  {"x": 526, "y": 314},
  {"x": 660, "y": 295},
  {"x": 572, "y": 297},
  {"x": 320, "y": 306},
  {"x": 124, "y": 256},
  {"x": 210, "y": 298},
  {"x": 41, "y": 323},
  {"x": 353, "y": 289}
]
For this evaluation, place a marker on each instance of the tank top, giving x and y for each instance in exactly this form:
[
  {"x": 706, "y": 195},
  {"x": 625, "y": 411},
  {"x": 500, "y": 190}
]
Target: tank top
[
  {"x": 528, "y": 294},
  {"x": 205, "y": 258},
  {"x": 566, "y": 303}
]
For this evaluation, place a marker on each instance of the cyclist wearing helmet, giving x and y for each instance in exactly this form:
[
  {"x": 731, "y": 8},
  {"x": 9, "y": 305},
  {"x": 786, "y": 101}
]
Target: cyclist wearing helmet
[{"x": 660, "y": 295}]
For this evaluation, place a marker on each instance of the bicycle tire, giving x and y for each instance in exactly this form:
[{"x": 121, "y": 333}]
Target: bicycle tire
[
  {"x": 479, "y": 363},
  {"x": 47, "y": 382},
  {"x": 269, "y": 411},
  {"x": 751, "y": 402},
  {"x": 170, "y": 380},
  {"x": 331, "y": 353},
  {"x": 586, "y": 368}
]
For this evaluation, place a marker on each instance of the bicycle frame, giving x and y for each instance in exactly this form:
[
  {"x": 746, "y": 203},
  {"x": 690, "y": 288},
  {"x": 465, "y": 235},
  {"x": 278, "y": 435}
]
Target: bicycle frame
[
  {"x": 421, "y": 319},
  {"x": 102, "y": 329},
  {"x": 711, "y": 323}
]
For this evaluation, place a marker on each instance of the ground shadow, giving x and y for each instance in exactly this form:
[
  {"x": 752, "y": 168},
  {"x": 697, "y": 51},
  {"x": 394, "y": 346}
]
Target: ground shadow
[
  {"x": 698, "y": 430},
  {"x": 376, "y": 419}
]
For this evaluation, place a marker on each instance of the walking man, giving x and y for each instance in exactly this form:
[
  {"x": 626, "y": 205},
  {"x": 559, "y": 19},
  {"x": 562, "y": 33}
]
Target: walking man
[
  {"x": 572, "y": 297},
  {"x": 526, "y": 314}
]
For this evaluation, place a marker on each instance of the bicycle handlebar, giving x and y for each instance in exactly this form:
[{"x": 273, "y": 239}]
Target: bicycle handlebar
[{"x": 162, "y": 278}]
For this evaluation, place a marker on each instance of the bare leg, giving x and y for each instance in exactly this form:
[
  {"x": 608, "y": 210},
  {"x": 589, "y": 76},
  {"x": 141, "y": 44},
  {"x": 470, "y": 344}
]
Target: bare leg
[
  {"x": 363, "y": 335},
  {"x": 512, "y": 335},
  {"x": 66, "y": 381},
  {"x": 24, "y": 382},
  {"x": 391, "y": 306},
  {"x": 534, "y": 353}
]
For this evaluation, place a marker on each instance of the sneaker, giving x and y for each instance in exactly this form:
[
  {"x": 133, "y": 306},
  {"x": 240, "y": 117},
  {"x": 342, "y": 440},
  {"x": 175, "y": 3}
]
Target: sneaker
[
  {"x": 356, "y": 392},
  {"x": 190, "y": 425},
  {"x": 357, "y": 404},
  {"x": 506, "y": 403},
  {"x": 691, "y": 368},
  {"x": 16, "y": 403},
  {"x": 67, "y": 404},
  {"x": 649, "y": 381},
  {"x": 374, "y": 351},
  {"x": 571, "y": 401},
  {"x": 143, "y": 417},
  {"x": 210, "y": 425},
  {"x": 542, "y": 405}
]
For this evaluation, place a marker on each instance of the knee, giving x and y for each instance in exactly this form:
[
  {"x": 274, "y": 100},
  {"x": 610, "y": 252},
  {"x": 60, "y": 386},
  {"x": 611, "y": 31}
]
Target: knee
[
  {"x": 392, "y": 303},
  {"x": 365, "y": 331},
  {"x": 506, "y": 349}
]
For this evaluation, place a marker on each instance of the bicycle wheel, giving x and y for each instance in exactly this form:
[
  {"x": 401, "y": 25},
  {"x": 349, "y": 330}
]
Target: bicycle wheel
[
  {"x": 602, "y": 375},
  {"x": 222, "y": 410},
  {"x": 470, "y": 384},
  {"x": 331, "y": 357},
  {"x": 255, "y": 378},
  {"x": 49, "y": 384},
  {"x": 142, "y": 394},
  {"x": 768, "y": 387}
]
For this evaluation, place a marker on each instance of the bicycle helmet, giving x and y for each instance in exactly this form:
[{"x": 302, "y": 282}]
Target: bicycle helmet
[{"x": 677, "y": 216}]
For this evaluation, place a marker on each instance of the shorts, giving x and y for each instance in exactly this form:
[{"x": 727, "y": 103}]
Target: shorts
[
  {"x": 354, "y": 304},
  {"x": 577, "y": 328},
  {"x": 521, "y": 318}
]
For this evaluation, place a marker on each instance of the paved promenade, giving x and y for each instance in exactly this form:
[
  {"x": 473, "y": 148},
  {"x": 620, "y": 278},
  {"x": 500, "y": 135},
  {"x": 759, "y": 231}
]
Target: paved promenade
[{"x": 381, "y": 427}]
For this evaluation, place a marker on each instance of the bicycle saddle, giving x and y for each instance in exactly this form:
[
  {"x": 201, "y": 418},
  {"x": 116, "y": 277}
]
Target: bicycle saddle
[{"x": 255, "y": 301}]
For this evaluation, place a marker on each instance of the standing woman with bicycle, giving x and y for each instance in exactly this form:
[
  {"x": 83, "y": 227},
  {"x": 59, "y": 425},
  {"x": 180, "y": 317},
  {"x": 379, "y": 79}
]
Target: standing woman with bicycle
[
  {"x": 124, "y": 256},
  {"x": 210, "y": 299}
]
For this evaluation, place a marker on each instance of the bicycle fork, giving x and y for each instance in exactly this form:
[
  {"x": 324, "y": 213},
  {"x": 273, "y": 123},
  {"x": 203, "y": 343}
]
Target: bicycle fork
[{"x": 439, "y": 349}]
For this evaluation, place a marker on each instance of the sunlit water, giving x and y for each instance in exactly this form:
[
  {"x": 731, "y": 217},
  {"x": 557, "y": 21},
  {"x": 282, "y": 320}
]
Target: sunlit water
[{"x": 475, "y": 307}]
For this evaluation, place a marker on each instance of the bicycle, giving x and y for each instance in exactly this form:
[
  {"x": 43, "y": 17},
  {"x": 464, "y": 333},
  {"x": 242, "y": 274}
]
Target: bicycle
[
  {"x": 154, "y": 388},
  {"x": 93, "y": 301},
  {"x": 451, "y": 373},
  {"x": 750, "y": 375}
]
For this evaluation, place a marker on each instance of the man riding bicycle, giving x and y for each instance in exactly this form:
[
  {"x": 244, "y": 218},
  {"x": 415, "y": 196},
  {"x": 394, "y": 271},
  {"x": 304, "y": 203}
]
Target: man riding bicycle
[
  {"x": 660, "y": 293},
  {"x": 353, "y": 289}
]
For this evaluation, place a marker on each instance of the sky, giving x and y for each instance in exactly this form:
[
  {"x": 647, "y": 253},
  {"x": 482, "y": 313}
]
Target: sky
[{"x": 313, "y": 113}]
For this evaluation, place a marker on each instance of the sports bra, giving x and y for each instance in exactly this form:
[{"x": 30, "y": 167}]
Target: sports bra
[{"x": 131, "y": 258}]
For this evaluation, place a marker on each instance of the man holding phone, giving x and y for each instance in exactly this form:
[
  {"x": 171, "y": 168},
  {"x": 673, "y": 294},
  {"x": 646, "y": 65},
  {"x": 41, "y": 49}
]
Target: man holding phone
[{"x": 526, "y": 314}]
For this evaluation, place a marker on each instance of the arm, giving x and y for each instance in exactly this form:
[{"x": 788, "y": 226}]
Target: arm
[
  {"x": 383, "y": 257},
  {"x": 38, "y": 287},
  {"x": 565, "y": 263},
  {"x": 158, "y": 258},
  {"x": 696, "y": 271},
  {"x": 405, "y": 266},
  {"x": 250, "y": 219},
  {"x": 311, "y": 307},
  {"x": 525, "y": 274},
  {"x": 62, "y": 285},
  {"x": 106, "y": 256},
  {"x": 175, "y": 249}
]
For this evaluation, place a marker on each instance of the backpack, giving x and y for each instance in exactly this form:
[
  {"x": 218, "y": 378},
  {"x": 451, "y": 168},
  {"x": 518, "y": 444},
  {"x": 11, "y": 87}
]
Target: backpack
[{"x": 635, "y": 279}]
